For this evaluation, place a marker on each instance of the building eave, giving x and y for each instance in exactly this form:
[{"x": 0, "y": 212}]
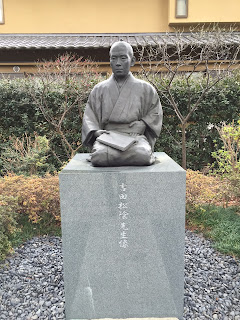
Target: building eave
[{"x": 81, "y": 41}]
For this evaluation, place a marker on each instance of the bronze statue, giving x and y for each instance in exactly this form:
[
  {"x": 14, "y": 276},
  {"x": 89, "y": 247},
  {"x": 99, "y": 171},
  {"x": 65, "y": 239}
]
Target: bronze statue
[{"x": 123, "y": 116}]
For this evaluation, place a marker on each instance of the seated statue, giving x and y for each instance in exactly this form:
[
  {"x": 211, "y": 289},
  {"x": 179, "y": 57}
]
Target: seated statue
[{"x": 125, "y": 105}]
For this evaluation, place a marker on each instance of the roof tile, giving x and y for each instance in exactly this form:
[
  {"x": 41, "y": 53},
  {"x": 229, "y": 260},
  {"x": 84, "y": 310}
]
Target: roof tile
[{"x": 49, "y": 41}]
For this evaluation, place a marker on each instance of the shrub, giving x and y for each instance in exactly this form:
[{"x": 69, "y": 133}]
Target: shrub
[
  {"x": 204, "y": 189},
  {"x": 38, "y": 197},
  {"x": 26, "y": 156},
  {"x": 8, "y": 211},
  {"x": 227, "y": 163}
]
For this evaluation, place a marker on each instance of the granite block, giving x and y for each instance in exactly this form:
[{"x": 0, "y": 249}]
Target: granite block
[{"x": 123, "y": 239}]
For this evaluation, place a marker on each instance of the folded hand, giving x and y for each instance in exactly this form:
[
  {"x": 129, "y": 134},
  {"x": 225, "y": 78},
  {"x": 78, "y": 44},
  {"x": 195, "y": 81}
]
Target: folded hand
[{"x": 99, "y": 132}]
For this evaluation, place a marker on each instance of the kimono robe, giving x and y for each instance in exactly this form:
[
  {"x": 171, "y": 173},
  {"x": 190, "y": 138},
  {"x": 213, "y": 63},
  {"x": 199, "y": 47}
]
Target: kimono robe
[{"x": 112, "y": 108}]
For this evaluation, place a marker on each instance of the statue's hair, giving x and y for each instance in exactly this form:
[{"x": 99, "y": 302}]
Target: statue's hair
[{"x": 127, "y": 45}]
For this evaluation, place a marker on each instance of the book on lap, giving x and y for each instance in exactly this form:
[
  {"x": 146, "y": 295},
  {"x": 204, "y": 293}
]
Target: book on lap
[{"x": 116, "y": 140}]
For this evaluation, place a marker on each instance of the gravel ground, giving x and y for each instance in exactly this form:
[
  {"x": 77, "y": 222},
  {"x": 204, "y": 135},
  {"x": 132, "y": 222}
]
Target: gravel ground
[
  {"x": 31, "y": 282},
  {"x": 212, "y": 282}
]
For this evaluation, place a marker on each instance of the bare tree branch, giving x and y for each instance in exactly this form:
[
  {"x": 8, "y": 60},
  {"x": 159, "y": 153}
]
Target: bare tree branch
[
  {"x": 70, "y": 79},
  {"x": 207, "y": 51}
]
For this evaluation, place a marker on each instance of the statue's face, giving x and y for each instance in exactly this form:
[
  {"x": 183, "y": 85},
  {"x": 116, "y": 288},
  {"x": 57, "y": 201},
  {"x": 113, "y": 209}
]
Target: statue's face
[{"x": 121, "y": 61}]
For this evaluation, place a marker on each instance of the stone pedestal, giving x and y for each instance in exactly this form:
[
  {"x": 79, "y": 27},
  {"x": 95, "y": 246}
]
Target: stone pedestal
[{"x": 123, "y": 239}]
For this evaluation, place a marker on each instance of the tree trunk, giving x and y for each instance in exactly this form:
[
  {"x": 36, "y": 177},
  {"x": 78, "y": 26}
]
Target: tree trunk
[{"x": 184, "y": 151}]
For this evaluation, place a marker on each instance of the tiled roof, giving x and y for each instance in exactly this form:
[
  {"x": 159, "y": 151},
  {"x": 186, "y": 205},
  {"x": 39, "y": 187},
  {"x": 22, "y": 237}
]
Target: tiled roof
[{"x": 78, "y": 41}]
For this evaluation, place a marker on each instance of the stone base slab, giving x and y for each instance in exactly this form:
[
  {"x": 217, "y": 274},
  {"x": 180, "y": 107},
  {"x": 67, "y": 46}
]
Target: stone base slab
[{"x": 123, "y": 231}]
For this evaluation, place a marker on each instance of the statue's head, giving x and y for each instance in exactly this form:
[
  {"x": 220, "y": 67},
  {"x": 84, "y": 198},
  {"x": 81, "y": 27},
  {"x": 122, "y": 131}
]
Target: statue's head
[{"x": 121, "y": 58}]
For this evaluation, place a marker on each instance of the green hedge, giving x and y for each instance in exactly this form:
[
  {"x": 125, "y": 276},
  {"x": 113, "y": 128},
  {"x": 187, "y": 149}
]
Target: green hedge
[{"x": 20, "y": 115}]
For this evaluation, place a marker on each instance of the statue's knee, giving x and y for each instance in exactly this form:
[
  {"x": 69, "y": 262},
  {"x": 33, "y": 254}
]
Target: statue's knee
[
  {"x": 144, "y": 156},
  {"x": 99, "y": 159}
]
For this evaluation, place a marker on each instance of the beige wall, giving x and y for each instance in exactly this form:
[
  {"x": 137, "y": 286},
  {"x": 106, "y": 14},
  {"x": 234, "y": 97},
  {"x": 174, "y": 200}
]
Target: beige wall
[
  {"x": 204, "y": 11},
  {"x": 110, "y": 16},
  {"x": 84, "y": 16}
]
